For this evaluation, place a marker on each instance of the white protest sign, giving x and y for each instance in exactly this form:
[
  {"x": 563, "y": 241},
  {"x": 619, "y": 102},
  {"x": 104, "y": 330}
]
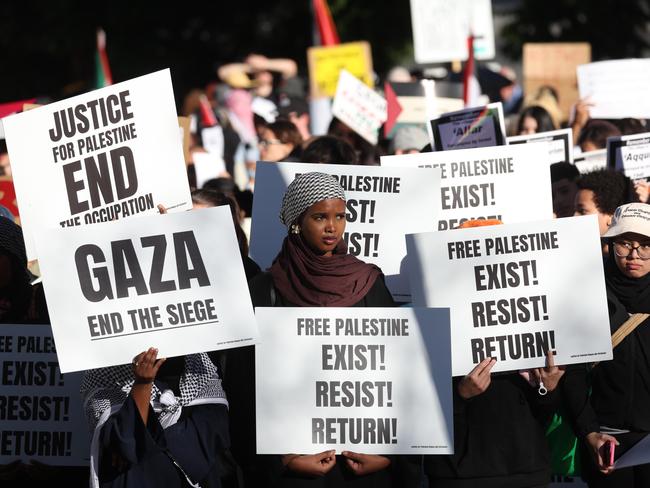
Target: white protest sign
[
  {"x": 212, "y": 140},
  {"x": 371, "y": 380},
  {"x": 104, "y": 155},
  {"x": 638, "y": 454},
  {"x": 383, "y": 205},
  {"x": 175, "y": 282},
  {"x": 441, "y": 28},
  {"x": 469, "y": 128},
  {"x": 560, "y": 147},
  {"x": 40, "y": 409},
  {"x": 509, "y": 183},
  {"x": 617, "y": 89},
  {"x": 589, "y": 161},
  {"x": 630, "y": 154},
  {"x": 207, "y": 165},
  {"x": 359, "y": 107},
  {"x": 513, "y": 292}
]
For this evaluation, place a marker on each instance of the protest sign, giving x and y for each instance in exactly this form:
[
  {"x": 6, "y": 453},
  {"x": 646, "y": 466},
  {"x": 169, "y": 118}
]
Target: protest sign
[
  {"x": 371, "y": 380},
  {"x": 207, "y": 166},
  {"x": 509, "y": 183},
  {"x": 175, "y": 282},
  {"x": 638, "y": 454},
  {"x": 184, "y": 124},
  {"x": 589, "y": 161},
  {"x": 359, "y": 107},
  {"x": 516, "y": 291},
  {"x": 469, "y": 128},
  {"x": 326, "y": 62},
  {"x": 40, "y": 411},
  {"x": 441, "y": 28},
  {"x": 617, "y": 89},
  {"x": 383, "y": 204},
  {"x": 554, "y": 64},
  {"x": 104, "y": 155},
  {"x": 630, "y": 154},
  {"x": 560, "y": 147}
]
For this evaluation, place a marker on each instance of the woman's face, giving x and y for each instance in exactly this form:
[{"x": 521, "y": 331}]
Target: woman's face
[
  {"x": 632, "y": 265},
  {"x": 323, "y": 225},
  {"x": 529, "y": 126},
  {"x": 271, "y": 148}
]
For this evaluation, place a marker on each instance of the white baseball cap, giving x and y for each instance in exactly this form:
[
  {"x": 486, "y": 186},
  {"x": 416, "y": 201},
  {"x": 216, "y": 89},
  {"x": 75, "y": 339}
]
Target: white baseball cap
[{"x": 632, "y": 217}]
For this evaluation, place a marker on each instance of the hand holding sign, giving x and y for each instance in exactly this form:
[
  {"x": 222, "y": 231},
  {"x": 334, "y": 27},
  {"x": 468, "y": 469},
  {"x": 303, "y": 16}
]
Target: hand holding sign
[
  {"x": 146, "y": 366},
  {"x": 311, "y": 465},
  {"x": 478, "y": 380},
  {"x": 363, "y": 464}
]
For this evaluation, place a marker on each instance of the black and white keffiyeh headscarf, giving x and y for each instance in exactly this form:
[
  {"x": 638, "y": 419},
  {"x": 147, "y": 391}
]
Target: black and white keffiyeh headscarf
[
  {"x": 104, "y": 390},
  {"x": 305, "y": 190}
]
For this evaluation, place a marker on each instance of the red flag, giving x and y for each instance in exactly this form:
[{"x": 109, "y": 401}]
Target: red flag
[
  {"x": 469, "y": 70},
  {"x": 208, "y": 119},
  {"x": 326, "y": 27},
  {"x": 394, "y": 108},
  {"x": 13, "y": 107},
  {"x": 102, "y": 69}
]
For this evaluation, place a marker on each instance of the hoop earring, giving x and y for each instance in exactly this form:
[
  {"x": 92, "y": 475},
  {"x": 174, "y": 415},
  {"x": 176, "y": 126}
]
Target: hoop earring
[{"x": 295, "y": 229}]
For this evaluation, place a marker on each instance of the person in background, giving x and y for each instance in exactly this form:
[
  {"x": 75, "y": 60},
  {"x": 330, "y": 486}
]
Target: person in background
[
  {"x": 313, "y": 269},
  {"x": 602, "y": 192},
  {"x": 615, "y": 415},
  {"x": 534, "y": 119},
  {"x": 280, "y": 141},
  {"x": 366, "y": 152},
  {"x": 295, "y": 110},
  {"x": 329, "y": 150},
  {"x": 563, "y": 188},
  {"x": 594, "y": 134},
  {"x": 409, "y": 140}
]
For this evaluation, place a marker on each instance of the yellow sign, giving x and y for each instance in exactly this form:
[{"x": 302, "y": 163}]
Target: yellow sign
[{"x": 325, "y": 64}]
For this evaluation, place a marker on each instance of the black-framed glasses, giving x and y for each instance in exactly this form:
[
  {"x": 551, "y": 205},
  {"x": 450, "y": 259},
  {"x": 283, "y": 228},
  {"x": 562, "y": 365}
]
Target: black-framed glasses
[
  {"x": 624, "y": 248},
  {"x": 268, "y": 142}
]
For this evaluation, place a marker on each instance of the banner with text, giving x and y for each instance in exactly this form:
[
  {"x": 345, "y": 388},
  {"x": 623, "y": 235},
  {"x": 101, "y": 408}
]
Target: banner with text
[
  {"x": 371, "y": 380},
  {"x": 383, "y": 205},
  {"x": 516, "y": 291},
  {"x": 469, "y": 128},
  {"x": 589, "y": 161},
  {"x": 630, "y": 154},
  {"x": 175, "y": 282},
  {"x": 509, "y": 183},
  {"x": 97, "y": 157},
  {"x": 40, "y": 410},
  {"x": 560, "y": 148}
]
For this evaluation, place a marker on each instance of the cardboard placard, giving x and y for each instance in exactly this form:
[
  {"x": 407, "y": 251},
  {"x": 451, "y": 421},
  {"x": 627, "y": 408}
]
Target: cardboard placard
[
  {"x": 469, "y": 128},
  {"x": 512, "y": 291},
  {"x": 175, "y": 282},
  {"x": 441, "y": 28},
  {"x": 617, "y": 89},
  {"x": 638, "y": 454},
  {"x": 105, "y": 155},
  {"x": 326, "y": 62},
  {"x": 509, "y": 183},
  {"x": 383, "y": 204},
  {"x": 560, "y": 144},
  {"x": 42, "y": 417},
  {"x": 630, "y": 154},
  {"x": 371, "y": 380},
  {"x": 589, "y": 161},
  {"x": 359, "y": 107},
  {"x": 554, "y": 64}
]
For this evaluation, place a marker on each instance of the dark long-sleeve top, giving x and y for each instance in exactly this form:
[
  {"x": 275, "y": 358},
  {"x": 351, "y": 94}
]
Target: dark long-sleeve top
[{"x": 620, "y": 388}]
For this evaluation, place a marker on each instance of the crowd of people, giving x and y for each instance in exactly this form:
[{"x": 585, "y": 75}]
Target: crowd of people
[{"x": 190, "y": 421}]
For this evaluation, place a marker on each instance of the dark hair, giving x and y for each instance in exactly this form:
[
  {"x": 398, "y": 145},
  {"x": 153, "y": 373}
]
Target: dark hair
[
  {"x": 611, "y": 189},
  {"x": 223, "y": 185},
  {"x": 366, "y": 152},
  {"x": 541, "y": 116},
  {"x": 597, "y": 131},
  {"x": 629, "y": 126},
  {"x": 286, "y": 132},
  {"x": 564, "y": 170},
  {"x": 329, "y": 150},
  {"x": 216, "y": 199}
]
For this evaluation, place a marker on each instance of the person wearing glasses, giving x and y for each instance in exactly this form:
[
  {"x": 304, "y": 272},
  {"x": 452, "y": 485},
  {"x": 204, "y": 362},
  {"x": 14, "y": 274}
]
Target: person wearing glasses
[
  {"x": 280, "y": 141},
  {"x": 617, "y": 413}
]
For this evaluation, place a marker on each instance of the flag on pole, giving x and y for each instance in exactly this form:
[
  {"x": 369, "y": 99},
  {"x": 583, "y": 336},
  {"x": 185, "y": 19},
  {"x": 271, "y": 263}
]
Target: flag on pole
[
  {"x": 208, "y": 118},
  {"x": 325, "y": 24},
  {"x": 102, "y": 69},
  {"x": 471, "y": 87}
]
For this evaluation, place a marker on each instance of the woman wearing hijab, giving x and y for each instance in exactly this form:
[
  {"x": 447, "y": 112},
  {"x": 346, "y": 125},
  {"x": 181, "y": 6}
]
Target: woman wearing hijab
[
  {"x": 313, "y": 269},
  {"x": 156, "y": 422},
  {"x": 617, "y": 414}
]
